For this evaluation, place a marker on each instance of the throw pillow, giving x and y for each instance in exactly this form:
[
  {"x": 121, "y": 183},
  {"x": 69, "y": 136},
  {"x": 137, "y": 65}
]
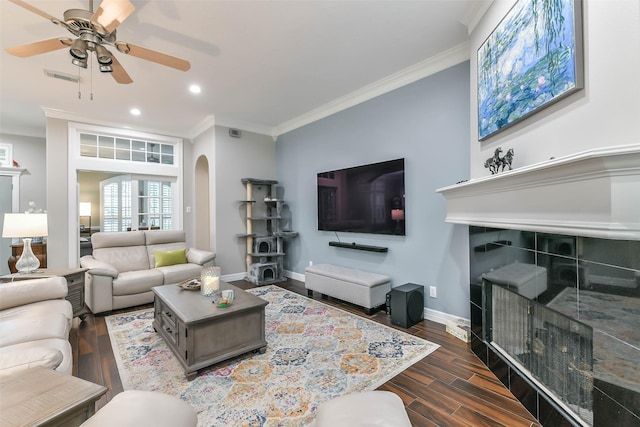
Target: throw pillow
[{"x": 165, "y": 258}]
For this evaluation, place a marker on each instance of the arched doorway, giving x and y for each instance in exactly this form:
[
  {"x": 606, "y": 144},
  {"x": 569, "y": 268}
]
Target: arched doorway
[{"x": 202, "y": 196}]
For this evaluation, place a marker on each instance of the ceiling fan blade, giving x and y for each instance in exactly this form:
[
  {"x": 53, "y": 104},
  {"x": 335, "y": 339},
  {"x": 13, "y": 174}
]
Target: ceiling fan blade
[
  {"x": 33, "y": 9},
  {"x": 37, "y": 48},
  {"x": 153, "y": 56},
  {"x": 118, "y": 73},
  {"x": 111, "y": 13}
]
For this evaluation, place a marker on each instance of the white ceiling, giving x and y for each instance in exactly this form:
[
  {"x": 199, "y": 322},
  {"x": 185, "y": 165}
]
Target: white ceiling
[{"x": 262, "y": 65}]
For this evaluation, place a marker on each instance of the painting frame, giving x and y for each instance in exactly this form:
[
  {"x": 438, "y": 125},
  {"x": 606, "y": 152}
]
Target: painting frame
[{"x": 531, "y": 60}]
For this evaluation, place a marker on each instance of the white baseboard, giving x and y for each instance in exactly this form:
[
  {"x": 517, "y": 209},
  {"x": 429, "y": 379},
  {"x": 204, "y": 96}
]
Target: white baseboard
[
  {"x": 243, "y": 275},
  {"x": 442, "y": 318},
  {"x": 234, "y": 276},
  {"x": 429, "y": 314},
  {"x": 293, "y": 275}
]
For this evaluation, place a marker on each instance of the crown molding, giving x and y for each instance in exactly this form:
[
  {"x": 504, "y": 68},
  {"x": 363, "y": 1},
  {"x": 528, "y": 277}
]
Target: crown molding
[
  {"x": 213, "y": 120},
  {"x": 205, "y": 124},
  {"x": 73, "y": 117},
  {"x": 442, "y": 61},
  {"x": 425, "y": 68},
  {"x": 474, "y": 14},
  {"x": 244, "y": 125}
]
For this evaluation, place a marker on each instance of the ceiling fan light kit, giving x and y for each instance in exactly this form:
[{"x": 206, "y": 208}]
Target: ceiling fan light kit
[
  {"x": 82, "y": 63},
  {"x": 78, "y": 49},
  {"x": 93, "y": 31},
  {"x": 103, "y": 55}
]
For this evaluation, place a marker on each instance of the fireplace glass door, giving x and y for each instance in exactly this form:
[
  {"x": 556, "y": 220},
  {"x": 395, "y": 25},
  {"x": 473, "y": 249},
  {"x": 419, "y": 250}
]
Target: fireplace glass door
[{"x": 550, "y": 347}]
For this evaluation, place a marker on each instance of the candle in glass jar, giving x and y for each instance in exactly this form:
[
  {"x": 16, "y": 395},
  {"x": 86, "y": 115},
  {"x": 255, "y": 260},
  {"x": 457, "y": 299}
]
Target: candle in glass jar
[
  {"x": 210, "y": 285},
  {"x": 210, "y": 281}
]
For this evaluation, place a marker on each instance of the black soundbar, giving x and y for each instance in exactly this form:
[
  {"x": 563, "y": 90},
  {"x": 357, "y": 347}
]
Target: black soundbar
[{"x": 354, "y": 245}]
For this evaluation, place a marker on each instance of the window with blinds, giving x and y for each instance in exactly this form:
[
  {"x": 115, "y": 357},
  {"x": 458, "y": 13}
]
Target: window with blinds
[
  {"x": 129, "y": 203},
  {"x": 116, "y": 205},
  {"x": 154, "y": 204}
]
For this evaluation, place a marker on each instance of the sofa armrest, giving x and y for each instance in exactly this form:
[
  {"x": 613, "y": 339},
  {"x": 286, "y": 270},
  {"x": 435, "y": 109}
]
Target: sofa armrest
[
  {"x": 98, "y": 268},
  {"x": 17, "y": 359},
  {"x": 21, "y": 292},
  {"x": 199, "y": 256}
]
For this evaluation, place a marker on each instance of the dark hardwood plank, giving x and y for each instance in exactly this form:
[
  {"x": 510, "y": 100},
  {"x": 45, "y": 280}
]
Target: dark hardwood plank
[
  {"x": 475, "y": 419},
  {"x": 491, "y": 384},
  {"x": 514, "y": 416},
  {"x": 437, "y": 414},
  {"x": 450, "y": 387}
]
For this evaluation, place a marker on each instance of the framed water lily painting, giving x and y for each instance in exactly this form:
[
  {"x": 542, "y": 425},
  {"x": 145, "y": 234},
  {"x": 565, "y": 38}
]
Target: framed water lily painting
[{"x": 531, "y": 60}]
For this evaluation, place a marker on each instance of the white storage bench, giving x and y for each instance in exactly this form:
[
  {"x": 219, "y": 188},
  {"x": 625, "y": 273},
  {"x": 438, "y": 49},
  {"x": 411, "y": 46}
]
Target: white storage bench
[
  {"x": 368, "y": 290},
  {"x": 527, "y": 279}
]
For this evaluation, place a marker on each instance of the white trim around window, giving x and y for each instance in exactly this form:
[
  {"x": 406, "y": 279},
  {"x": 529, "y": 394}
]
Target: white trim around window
[{"x": 157, "y": 171}]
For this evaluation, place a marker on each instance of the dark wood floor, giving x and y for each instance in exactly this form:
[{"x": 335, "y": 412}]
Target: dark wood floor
[{"x": 450, "y": 387}]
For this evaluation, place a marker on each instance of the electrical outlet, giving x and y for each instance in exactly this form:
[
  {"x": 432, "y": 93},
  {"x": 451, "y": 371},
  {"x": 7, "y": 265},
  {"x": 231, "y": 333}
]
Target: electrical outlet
[
  {"x": 433, "y": 292},
  {"x": 310, "y": 263}
]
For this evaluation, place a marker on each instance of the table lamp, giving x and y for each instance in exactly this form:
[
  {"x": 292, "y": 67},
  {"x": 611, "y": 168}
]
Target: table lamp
[
  {"x": 397, "y": 215},
  {"x": 19, "y": 225},
  {"x": 85, "y": 210}
]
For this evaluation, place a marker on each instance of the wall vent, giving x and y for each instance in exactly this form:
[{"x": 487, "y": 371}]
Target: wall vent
[
  {"x": 62, "y": 76},
  {"x": 235, "y": 133}
]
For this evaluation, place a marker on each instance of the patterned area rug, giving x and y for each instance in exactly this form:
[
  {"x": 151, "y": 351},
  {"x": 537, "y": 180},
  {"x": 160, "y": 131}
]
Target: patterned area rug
[
  {"x": 615, "y": 321},
  {"x": 315, "y": 352}
]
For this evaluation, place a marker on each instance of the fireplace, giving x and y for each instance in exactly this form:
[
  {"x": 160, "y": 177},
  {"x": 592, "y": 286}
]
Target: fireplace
[
  {"x": 571, "y": 351},
  {"x": 555, "y": 349},
  {"x": 562, "y": 333}
]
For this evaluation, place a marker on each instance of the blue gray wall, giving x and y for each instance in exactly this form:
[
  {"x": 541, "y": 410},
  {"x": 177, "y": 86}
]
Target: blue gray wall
[{"x": 427, "y": 123}]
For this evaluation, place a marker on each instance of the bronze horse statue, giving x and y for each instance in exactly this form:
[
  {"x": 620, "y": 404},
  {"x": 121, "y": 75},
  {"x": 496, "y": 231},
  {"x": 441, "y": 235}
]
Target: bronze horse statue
[
  {"x": 507, "y": 159},
  {"x": 493, "y": 163}
]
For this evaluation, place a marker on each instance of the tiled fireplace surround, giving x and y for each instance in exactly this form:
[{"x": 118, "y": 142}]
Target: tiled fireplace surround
[
  {"x": 571, "y": 228},
  {"x": 578, "y": 270}
]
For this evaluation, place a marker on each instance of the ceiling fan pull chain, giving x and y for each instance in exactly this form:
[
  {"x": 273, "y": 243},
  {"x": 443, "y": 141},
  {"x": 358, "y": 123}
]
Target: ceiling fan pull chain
[
  {"x": 91, "y": 80},
  {"x": 79, "y": 89}
]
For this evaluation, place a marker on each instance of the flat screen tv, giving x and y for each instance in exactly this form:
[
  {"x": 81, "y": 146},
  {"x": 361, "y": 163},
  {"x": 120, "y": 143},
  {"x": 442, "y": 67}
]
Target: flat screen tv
[{"x": 363, "y": 199}]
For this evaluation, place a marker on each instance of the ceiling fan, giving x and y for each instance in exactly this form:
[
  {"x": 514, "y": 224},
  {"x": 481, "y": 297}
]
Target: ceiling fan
[{"x": 92, "y": 31}]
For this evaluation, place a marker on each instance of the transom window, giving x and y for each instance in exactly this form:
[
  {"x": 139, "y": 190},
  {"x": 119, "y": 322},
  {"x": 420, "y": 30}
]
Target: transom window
[{"x": 125, "y": 149}]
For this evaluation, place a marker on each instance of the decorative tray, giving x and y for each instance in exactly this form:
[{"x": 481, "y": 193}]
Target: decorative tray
[{"x": 190, "y": 284}]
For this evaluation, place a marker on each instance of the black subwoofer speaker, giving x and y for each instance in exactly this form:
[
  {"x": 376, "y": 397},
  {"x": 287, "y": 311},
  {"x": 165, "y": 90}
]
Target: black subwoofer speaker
[{"x": 407, "y": 305}]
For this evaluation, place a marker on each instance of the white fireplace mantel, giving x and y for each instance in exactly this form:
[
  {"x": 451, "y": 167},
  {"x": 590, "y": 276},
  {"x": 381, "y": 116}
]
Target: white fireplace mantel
[{"x": 594, "y": 193}]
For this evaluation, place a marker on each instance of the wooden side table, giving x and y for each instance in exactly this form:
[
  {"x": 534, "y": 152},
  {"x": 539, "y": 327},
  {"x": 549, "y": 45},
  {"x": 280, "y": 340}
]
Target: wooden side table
[
  {"x": 43, "y": 397},
  {"x": 75, "y": 283}
]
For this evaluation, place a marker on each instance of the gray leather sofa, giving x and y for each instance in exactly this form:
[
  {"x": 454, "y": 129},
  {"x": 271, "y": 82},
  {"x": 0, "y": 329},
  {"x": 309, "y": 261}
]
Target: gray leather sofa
[
  {"x": 122, "y": 268},
  {"x": 35, "y": 321}
]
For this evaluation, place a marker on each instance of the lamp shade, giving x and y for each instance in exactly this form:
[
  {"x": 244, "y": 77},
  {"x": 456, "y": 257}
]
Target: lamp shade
[
  {"x": 397, "y": 214},
  {"x": 25, "y": 225},
  {"x": 85, "y": 208}
]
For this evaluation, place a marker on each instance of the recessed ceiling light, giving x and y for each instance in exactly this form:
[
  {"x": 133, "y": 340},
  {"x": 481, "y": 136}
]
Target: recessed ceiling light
[
  {"x": 135, "y": 111},
  {"x": 195, "y": 89}
]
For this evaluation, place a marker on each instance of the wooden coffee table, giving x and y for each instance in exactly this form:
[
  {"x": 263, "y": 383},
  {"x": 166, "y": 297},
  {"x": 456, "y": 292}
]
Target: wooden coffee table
[
  {"x": 200, "y": 334},
  {"x": 43, "y": 397}
]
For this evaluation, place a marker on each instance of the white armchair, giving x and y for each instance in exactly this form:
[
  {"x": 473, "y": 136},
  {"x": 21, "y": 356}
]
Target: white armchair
[{"x": 35, "y": 321}]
